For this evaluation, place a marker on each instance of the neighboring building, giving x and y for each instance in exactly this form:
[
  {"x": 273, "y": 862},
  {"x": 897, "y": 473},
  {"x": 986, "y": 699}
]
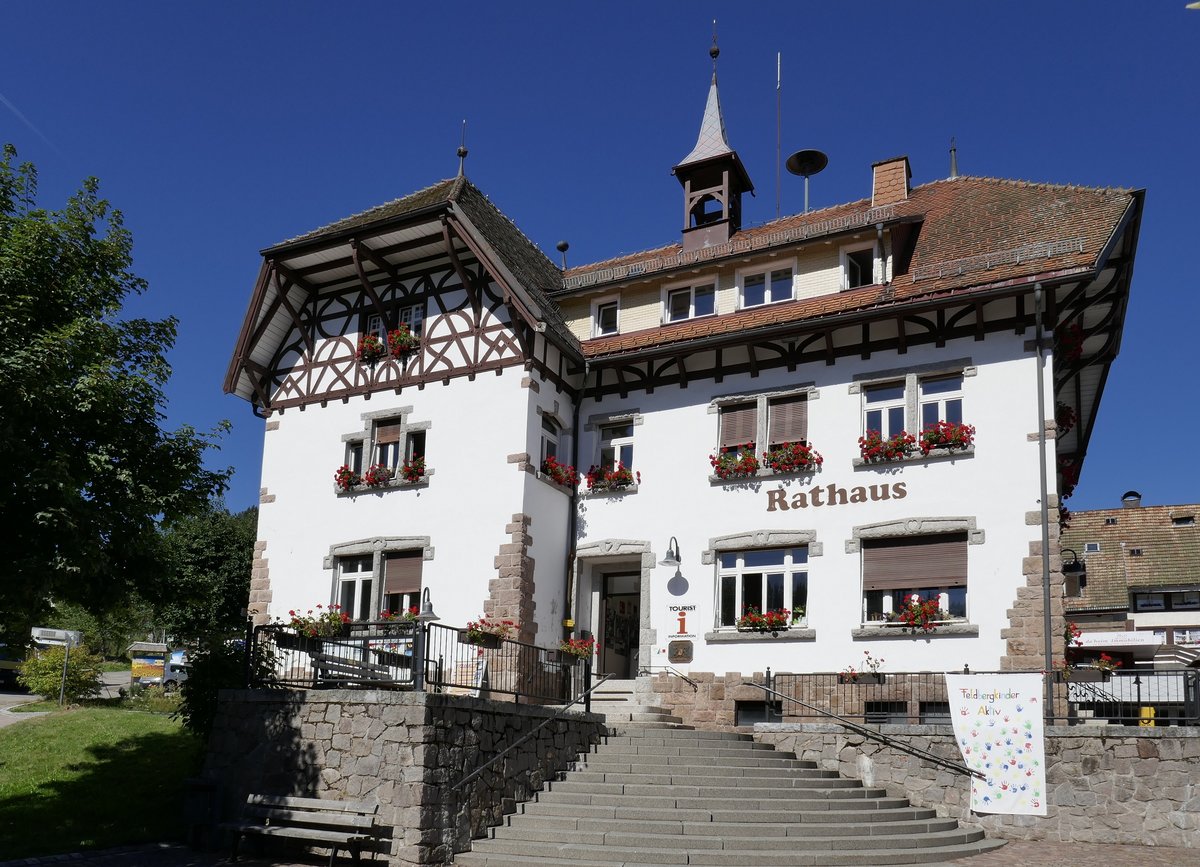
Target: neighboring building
[
  {"x": 912, "y": 306},
  {"x": 1133, "y": 583}
]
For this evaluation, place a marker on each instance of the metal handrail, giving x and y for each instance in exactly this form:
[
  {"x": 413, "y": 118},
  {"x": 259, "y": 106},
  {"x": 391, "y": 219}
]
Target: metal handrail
[
  {"x": 874, "y": 735},
  {"x": 667, "y": 669},
  {"x": 454, "y": 788}
]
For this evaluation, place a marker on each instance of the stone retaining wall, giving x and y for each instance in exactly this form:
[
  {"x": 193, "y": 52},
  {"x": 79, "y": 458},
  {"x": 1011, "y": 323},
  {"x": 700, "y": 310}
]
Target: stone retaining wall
[
  {"x": 1106, "y": 784},
  {"x": 400, "y": 749}
]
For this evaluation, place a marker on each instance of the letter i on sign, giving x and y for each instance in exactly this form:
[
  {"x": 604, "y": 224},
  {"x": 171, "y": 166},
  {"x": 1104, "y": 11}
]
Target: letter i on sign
[{"x": 682, "y": 623}]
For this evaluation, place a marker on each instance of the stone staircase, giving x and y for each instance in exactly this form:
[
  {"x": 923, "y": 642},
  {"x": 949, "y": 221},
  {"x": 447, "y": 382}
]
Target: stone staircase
[
  {"x": 659, "y": 793},
  {"x": 618, "y": 702}
]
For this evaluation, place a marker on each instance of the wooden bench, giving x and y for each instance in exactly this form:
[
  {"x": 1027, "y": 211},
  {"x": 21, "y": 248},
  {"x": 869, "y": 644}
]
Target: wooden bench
[
  {"x": 344, "y": 671},
  {"x": 339, "y": 824}
]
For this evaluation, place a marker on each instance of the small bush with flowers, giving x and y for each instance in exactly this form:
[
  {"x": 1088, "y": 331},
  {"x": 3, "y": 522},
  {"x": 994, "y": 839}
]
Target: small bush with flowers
[
  {"x": 875, "y": 449},
  {"x": 322, "y": 621},
  {"x": 1072, "y": 635},
  {"x": 584, "y": 648},
  {"x": 377, "y": 475},
  {"x": 792, "y": 458},
  {"x": 407, "y": 615},
  {"x": 764, "y": 621},
  {"x": 370, "y": 348},
  {"x": 402, "y": 341},
  {"x": 413, "y": 470},
  {"x": 602, "y": 479},
  {"x": 346, "y": 478},
  {"x": 919, "y": 616},
  {"x": 734, "y": 462},
  {"x": 947, "y": 435},
  {"x": 1064, "y": 418},
  {"x": 477, "y": 629},
  {"x": 1107, "y": 664},
  {"x": 870, "y": 665},
  {"x": 561, "y": 474}
]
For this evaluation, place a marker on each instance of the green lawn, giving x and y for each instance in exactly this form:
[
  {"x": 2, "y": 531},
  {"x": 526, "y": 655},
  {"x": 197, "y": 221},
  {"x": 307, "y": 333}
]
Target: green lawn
[{"x": 92, "y": 778}]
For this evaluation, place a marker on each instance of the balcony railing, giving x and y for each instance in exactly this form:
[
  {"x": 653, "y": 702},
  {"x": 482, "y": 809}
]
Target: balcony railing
[
  {"x": 1153, "y": 697},
  {"x": 398, "y": 654}
]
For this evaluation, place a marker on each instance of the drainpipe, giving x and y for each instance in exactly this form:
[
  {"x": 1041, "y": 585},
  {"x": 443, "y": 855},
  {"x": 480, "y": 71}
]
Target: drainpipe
[
  {"x": 1039, "y": 342},
  {"x": 571, "y": 580}
]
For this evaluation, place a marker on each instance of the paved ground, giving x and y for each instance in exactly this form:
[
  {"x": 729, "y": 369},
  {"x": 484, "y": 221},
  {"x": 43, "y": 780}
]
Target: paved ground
[
  {"x": 1015, "y": 854},
  {"x": 113, "y": 682}
]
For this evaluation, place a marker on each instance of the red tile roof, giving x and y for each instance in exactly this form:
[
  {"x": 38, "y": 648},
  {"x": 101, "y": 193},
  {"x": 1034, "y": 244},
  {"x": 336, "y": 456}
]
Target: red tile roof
[{"x": 973, "y": 232}]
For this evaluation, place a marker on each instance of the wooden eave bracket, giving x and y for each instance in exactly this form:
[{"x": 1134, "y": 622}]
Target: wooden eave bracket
[
  {"x": 258, "y": 376},
  {"x": 283, "y": 284},
  {"x": 355, "y": 246}
]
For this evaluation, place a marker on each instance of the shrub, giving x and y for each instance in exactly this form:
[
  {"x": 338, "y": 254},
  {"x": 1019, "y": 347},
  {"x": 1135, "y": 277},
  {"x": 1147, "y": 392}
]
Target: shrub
[
  {"x": 216, "y": 666},
  {"x": 43, "y": 674}
]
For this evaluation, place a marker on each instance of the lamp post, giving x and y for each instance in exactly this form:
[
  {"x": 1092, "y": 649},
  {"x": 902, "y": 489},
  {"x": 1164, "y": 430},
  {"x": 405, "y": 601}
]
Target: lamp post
[
  {"x": 1039, "y": 340},
  {"x": 426, "y": 617}
]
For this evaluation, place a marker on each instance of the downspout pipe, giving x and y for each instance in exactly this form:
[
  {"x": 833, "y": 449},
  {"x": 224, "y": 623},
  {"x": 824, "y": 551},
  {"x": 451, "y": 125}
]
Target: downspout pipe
[
  {"x": 570, "y": 579},
  {"x": 1039, "y": 302}
]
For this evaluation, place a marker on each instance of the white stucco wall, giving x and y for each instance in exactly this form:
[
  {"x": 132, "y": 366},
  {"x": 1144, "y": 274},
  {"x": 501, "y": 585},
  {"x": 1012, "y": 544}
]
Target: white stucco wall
[
  {"x": 995, "y": 487},
  {"x": 471, "y": 495}
]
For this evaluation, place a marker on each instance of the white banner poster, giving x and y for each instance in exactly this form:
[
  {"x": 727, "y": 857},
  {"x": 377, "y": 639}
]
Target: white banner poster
[{"x": 999, "y": 729}]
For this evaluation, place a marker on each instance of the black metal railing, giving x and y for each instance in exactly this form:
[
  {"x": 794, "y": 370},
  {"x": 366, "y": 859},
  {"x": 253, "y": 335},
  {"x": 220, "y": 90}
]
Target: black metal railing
[
  {"x": 501, "y": 667},
  {"x": 400, "y": 654},
  {"x": 1153, "y": 697}
]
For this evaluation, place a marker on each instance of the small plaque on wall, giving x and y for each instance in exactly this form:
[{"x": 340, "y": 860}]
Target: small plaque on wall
[{"x": 679, "y": 651}]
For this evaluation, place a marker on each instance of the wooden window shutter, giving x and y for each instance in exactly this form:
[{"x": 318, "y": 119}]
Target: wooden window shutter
[
  {"x": 388, "y": 433},
  {"x": 739, "y": 424},
  {"x": 788, "y": 420},
  {"x": 904, "y": 564},
  {"x": 402, "y": 572}
]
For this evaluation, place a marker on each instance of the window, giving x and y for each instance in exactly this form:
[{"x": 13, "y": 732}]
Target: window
[
  {"x": 1110, "y": 522},
  {"x": 747, "y": 713},
  {"x": 413, "y": 316},
  {"x": 886, "y": 712},
  {"x": 550, "y": 432},
  {"x": 858, "y": 266},
  {"x": 767, "y": 287},
  {"x": 604, "y": 317},
  {"x": 401, "y": 581},
  {"x": 355, "y": 582},
  {"x": 616, "y": 445},
  {"x": 884, "y": 408},
  {"x": 739, "y": 426},
  {"x": 1135, "y": 552},
  {"x": 935, "y": 713},
  {"x": 941, "y": 400},
  {"x": 690, "y": 302},
  {"x": 1091, "y": 547},
  {"x": 1149, "y": 602},
  {"x": 354, "y": 457},
  {"x": 395, "y": 446},
  {"x": 1183, "y": 521},
  {"x": 787, "y": 420},
  {"x": 766, "y": 579},
  {"x": 896, "y": 569},
  {"x": 1186, "y": 600}
]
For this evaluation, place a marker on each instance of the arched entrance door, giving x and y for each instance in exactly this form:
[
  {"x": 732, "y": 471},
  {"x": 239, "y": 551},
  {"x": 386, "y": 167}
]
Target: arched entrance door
[{"x": 619, "y": 624}]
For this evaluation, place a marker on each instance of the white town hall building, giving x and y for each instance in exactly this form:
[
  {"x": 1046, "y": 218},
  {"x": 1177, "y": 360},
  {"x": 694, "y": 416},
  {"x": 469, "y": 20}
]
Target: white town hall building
[{"x": 910, "y": 307}]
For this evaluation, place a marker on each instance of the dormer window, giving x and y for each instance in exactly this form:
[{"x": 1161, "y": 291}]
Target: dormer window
[
  {"x": 858, "y": 265},
  {"x": 604, "y": 317},
  {"x": 766, "y": 287},
  {"x": 689, "y": 302}
]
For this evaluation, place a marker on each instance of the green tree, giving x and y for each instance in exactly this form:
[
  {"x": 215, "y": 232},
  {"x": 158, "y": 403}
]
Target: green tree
[
  {"x": 111, "y": 631},
  {"x": 206, "y": 583},
  {"x": 43, "y": 674},
  {"x": 88, "y": 474}
]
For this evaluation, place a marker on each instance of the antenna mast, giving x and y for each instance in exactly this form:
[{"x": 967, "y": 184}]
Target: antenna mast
[{"x": 778, "y": 128}]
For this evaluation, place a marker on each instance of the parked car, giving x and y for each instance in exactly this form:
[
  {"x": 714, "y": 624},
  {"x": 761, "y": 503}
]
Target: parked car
[
  {"x": 174, "y": 675},
  {"x": 9, "y": 665}
]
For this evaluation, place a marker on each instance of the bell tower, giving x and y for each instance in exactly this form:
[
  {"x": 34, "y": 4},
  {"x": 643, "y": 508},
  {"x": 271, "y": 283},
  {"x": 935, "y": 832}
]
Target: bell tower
[{"x": 713, "y": 178}]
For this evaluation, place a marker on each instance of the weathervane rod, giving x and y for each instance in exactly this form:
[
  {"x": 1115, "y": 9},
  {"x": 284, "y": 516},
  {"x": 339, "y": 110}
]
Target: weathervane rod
[{"x": 462, "y": 151}]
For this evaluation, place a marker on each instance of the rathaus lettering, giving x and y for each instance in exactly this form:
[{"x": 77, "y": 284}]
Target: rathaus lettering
[{"x": 832, "y": 495}]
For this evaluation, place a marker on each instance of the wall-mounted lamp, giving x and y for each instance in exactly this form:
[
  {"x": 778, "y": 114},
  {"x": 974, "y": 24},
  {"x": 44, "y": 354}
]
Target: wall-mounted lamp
[
  {"x": 426, "y": 615},
  {"x": 672, "y": 557},
  {"x": 1074, "y": 574}
]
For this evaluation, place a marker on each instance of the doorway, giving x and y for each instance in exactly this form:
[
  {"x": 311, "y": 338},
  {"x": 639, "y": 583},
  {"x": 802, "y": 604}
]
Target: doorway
[{"x": 619, "y": 626}]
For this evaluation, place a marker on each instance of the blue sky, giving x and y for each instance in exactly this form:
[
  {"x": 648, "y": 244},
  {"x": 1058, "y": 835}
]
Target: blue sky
[{"x": 222, "y": 128}]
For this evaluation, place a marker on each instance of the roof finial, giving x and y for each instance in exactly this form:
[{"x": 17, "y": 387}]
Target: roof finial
[
  {"x": 462, "y": 151},
  {"x": 714, "y": 52},
  {"x": 953, "y": 158}
]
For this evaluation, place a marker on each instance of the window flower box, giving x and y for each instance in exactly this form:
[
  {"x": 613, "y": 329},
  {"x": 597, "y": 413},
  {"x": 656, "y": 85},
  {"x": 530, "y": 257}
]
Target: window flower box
[
  {"x": 561, "y": 474},
  {"x": 734, "y": 462},
  {"x": 486, "y": 633},
  {"x": 323, "y": 622},
  {"x": 877, "y": 450},
  {"x": 413, "y": 471},
  {"x": 797, "y": 457},
  {"x": 869, "y": 673},
  {"x": 346, "y": 478},
  {"x": 601, "y": 479},
  {"x": 947, "y": 435},
  {"x": 575, "y": 649},
  {"x": 376, "y": 476},
  {"x": 370, "y": 349},
  {"x": 773, "y": 622},
  {"x": 401, "y": 342},
  {"x": 916, "y": 615}
]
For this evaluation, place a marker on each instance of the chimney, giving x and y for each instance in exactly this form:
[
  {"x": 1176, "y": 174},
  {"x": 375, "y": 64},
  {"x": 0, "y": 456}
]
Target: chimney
[
  {"x": 1131, "y": 500},
  {"x": 890, "y": 182}
]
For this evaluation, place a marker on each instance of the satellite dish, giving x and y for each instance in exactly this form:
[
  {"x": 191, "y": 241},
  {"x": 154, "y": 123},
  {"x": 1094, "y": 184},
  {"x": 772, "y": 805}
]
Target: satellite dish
[{"x": 806, "y": 163}]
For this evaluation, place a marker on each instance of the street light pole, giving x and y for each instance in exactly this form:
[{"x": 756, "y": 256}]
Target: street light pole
[{"x": 1047, "y": 634}]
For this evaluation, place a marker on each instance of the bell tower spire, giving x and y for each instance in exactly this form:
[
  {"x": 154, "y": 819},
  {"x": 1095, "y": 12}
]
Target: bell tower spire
[{"x": 712, "y": 176}]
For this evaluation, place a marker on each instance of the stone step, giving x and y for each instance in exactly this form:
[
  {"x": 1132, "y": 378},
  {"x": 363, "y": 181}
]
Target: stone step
[
  {"x": 684, "y": 747},
  {"x": 749, "y": 759},
  {"x": 575, "y": 822},
  {"x": 931, "y": 849},
  {"x": 635, "y": 734},
  {"x": 731, "y": 801},
  {"x": 636, "y": 716},
  {"x": 677, "y": 790},
  {"x": 856, "y": 814},
  {"x": 746, "y": 777}
]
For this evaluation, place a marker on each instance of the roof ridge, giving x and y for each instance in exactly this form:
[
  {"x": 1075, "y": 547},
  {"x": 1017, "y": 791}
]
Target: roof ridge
[{"x": 1014, "y": 182}]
